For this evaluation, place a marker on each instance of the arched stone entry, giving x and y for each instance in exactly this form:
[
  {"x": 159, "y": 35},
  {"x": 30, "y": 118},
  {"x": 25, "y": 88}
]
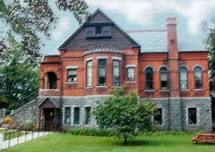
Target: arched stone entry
[
  {"x": 51, "y": 80},
  {"x": 49, "y": 116}
]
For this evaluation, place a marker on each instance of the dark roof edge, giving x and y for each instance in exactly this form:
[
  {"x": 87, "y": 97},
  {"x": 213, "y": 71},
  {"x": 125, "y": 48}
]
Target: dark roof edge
[
  {"x": 90, "y": 17},
  {"x": 52, "y": 56}
]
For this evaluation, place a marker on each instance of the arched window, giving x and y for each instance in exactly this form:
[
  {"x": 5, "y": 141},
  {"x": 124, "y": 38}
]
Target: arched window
[
  {"x": 198, "y": 77},
  {"x": 163, "y": 78},
  {"x": 183, "y": 78},
  {"x": 149, "y": 78},
  {"x": 51, "y": 81}
]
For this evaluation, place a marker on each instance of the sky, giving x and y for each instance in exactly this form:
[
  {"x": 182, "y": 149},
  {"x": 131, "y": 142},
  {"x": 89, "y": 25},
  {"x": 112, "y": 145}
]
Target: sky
[{"x": 141, "y": 15}]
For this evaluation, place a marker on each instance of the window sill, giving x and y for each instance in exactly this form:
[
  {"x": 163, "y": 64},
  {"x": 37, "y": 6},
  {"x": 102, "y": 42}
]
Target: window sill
[
  {"x": 130, "y": 81},
  {"x": 90, "y": 87},
  {"x": 164, "y": 90},
  {"x": 102, "y": 86},
  {"x": 199, "y": 90},
  {"x": 184, "y": 90},
  {"x": 149, "y": 90},
  {"x": 71, "y": 83}
]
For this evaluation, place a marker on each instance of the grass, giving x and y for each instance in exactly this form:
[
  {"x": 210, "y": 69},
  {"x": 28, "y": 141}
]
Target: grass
[{"x": 146, "y": 143}]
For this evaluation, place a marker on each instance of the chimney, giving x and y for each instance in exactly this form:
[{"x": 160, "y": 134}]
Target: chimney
[{"x": 172, "y": 38}]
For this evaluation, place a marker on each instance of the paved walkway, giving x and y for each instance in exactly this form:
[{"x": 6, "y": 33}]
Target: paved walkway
[{"x": 19, "y": 140}]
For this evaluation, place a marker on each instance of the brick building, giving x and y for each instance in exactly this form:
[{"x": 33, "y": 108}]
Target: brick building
[{"x": 100, "y": 57}]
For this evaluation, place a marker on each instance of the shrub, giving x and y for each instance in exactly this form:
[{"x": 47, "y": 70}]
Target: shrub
[
  {"x": 127, "y": 115},
  {"x": 8, "y": 120},
  {"x": 90, "y": 132}
]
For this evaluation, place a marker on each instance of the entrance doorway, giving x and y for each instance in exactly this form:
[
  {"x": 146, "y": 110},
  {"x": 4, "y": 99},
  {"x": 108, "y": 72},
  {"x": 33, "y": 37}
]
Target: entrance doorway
[{"x": 51, "y": 119}]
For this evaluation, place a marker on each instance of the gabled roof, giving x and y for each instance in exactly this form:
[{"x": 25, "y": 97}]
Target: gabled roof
[{"x": 103, "y": 19}]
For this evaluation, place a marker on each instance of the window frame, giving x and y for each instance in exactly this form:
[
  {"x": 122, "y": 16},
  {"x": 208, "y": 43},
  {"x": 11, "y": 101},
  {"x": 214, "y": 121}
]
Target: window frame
[
  {"x": 133, "y": 68},
  {"x": 99, "y": 67},
  {"x": 201, "y": 77},
  {"x": 180, "y": 77},
  {"x": 147, "y": 80},
  {"x": 160, "y": 123},
  {"x": 67, "y": 117},
  {"x": 87, "y": 74},
  {"x": 67, "y": 75},
  {"x": 167, "y": 75},
  {"x": 87, "y": 120},
  {"x": 196, "y": 116},
  {"x": 74, "y": 115},
  {"x": 119, "y": 70}
]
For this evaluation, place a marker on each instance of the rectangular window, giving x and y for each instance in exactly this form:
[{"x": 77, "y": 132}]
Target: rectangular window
[
  {"x": 89, "y": 73},
  {"x": 158, "y": 117},
  {"x": 67, "y": 115},
  {"x": 102, "y": 72},
  {"x": 130, "y": 73},
  {"x": 90, "y": 32},
  {"x": 87, "y": 115},
  {"x": 106, "y": 30},
  {"x": 76, "y": 116},
  {"x": 72, "y": 75},
  {"x": 116, "y": 72},
  {"x": 192, "y": 116},
  {"x": 164, "y": 81}
]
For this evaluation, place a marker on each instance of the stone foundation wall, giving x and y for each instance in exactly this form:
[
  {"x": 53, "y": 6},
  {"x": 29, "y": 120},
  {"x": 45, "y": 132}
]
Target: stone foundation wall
[
  {"x": 175, "y": 113},
  {"x": 27, "y": 113}
]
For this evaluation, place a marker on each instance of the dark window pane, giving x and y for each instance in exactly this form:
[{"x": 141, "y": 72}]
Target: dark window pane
[
  {"x": 116, "y": 72},
  {"x": 87, "y": 115},
  {"x": 198, "y": 78},
  {"x": 90, "y": 31},
  {"x": 98, "y": 29},
  {"x": 106, "y": 30},
  {"x": 52, "y": 80},
  {"x": 158, "y": 117},
  {"x": 102, "y": 72},
  {"x": 67, "y": 115},
  {"x": 164, "y": 78},
  {"x": 76, "y": 115},
  {"x": 149, "y": 78},
  {"x": 192, "y": 116}
]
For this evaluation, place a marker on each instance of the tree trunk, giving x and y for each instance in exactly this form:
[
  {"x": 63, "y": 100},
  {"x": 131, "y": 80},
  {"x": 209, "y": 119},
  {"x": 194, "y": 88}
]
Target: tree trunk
[{"x": 125, "y": 137}]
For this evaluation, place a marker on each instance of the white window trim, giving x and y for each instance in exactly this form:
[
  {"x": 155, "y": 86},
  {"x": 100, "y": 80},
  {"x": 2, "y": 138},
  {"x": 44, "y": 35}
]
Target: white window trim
[
  {"x": 70, "y": 115},
  {"x": 88, "y": 59},
  {"x": 102, "y": 57},
  {"x": 130, "y": 65},
  {"x": 72, "y": 67},
  {"x": 116, "y": 58}
]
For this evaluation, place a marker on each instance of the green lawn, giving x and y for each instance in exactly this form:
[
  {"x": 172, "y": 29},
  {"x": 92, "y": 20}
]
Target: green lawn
[{"x": 148, "y": 143}]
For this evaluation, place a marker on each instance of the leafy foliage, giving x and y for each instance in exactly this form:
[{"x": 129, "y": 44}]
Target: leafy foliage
[
  {"x": 127, "y": 115},
  {"x": 18, "y": 77},
  {"x": 30, "y": 19},
  {"x": 211, "y": 44}
]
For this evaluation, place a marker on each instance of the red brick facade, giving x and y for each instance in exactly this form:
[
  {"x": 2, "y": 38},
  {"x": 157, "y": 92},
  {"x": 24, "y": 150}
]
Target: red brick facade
[{"x": 132, "y": 56}]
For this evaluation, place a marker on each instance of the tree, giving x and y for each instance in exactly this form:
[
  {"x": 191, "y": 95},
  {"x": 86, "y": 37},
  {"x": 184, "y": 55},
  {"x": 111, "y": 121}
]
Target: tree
[
  {"x": 18, "y": 77},
  {"x": 29, "y": 19},
  {"x": 211, "y": 46},
  {"x": 126, "y": 115}
]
